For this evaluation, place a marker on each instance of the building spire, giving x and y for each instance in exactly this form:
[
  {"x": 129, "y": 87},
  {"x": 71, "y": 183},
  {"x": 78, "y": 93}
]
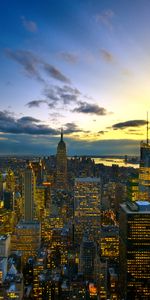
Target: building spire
[
  {"x": 61, "y": 134},
  {"x": 147, "y": 128}
]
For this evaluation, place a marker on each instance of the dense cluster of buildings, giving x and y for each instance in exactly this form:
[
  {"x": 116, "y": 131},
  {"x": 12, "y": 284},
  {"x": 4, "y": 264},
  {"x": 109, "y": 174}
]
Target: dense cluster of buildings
[{"x": 73, "y": 229}]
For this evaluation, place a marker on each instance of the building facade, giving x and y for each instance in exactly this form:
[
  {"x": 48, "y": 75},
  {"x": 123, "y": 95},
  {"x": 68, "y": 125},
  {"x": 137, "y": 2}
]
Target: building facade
[
  {"x": 87, "y": 258},
  {"x": 29, "y": 193},
  {"x": 144, "y": 172},
  {"x": 61, "y": 165},
  {"x": 26, "y": 239},
  {"x": 134, "y": 248},
  {"x": 87, "y": 208}
]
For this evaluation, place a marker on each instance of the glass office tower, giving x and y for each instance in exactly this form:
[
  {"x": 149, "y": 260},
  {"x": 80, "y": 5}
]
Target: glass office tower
[{"x": 134, "y": 248}]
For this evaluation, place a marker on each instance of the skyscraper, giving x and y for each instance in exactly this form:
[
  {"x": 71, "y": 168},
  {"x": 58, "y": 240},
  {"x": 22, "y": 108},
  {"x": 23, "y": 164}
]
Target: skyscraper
[
  {"x": 87, "y": 258},
  {"x": 26, "y": 237},
  {"x": 134, "y": 249},
  {"x": 87, "y": 207},
  {"x": 61, "y": 164},
  {"x": 10, "y": 181},
  {"x": 144, "y": 172},
  {"x": 28, "y": 193},
  {"x": 133, "y": 187}
]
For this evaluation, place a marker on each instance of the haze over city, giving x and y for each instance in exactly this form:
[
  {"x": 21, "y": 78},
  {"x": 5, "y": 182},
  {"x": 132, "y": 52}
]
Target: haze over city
[{"x": 82, "y": 65}]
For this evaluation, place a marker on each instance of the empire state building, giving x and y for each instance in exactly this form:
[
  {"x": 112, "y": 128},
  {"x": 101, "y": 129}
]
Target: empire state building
[{"x": 61, "y": 165}]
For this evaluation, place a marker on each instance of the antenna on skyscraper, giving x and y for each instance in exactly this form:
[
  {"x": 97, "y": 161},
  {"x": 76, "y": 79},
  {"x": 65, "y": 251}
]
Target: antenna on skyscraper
[
  {"x": 147, "y": 127},
  {"x": 61, "y": 134}
]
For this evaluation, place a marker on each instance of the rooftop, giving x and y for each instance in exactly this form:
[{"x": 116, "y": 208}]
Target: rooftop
[
  {"x": 4, "y": 237},
  {"x": 143, "y": 205},
  {"x": 136, "y": 207}
]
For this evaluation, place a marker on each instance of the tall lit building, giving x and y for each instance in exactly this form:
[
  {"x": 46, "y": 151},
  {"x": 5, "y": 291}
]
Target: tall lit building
[
  {"x": 134, "y": 248},
  {"x": 4, "y": 245},
  {"x": 4, "y": 253},
  {"x": 87, "y": 258},
  {"x": 61, "y": 164},
  {"x": 109, "y": 245},
  {"x": 8, "y": 193},
  {"x": 1, "y": 186},
  {"x": 3, "y": 271},
  {"x": 26, "y": 239},
  {"x": 144, "y": 172},
  {"x": 8, "y": 198},
  {"x": 10, "y": 181},
  {"x": 87, "y": 207},
  {"x": 38, "y": 168},
  {"x": 133, "y": 187},
  {"x": 7, "y": 221},
  {"x": 28, "y": 193}
]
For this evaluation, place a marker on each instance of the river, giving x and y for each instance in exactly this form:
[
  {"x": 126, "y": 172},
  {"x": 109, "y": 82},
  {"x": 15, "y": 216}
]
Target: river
[{"x": 109, "y": 161}]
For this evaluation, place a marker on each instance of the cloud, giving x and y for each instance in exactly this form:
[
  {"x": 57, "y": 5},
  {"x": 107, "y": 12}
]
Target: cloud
[
  {"x": 71, "y": 128},
  {"x": 101, "y": 132},
  {"x": 55, "y": 73},
  {"x": 134, "y": 133},
  {"x": 68, "y": 94},
  {"x": 69, "y": 57},
  {"x": 88, "y": 108},
  {"x": 3, "y": 138},
  {"x": 67, "y": 97},
  {"x": 107, "y": 56},
  {"x": 56, "y": 95},
  {"x": 61, "y": 95},
  {"x": 36, "y": 103},
  {"x": 29, "y": 25},
  {"x": 27, "y": 60},
  {"x": 126, "y": 72},
  {"x": 6, "y": 116},
  {"x": 132, "y": 123},
  {"x": 24, "y": 125},
  {"x": 32, "y": 65},
  {"x": 27, "y": 119},
  {"x": 105, "y": 18}
]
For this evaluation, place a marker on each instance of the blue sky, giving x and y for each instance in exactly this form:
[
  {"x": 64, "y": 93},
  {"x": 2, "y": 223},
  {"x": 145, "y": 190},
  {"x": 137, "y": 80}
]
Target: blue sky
[{"x": 82, "y": 65}]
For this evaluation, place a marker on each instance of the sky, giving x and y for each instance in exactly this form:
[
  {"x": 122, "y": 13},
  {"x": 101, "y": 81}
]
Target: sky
[{"x": 81, "y": 65}]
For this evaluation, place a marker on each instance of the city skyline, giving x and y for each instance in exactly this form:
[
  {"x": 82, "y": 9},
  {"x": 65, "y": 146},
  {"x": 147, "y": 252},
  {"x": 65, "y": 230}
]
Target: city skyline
[{"x": 79, "y": 65}]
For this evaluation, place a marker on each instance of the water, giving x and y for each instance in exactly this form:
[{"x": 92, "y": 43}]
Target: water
[{"x": 109, "y": 161}]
